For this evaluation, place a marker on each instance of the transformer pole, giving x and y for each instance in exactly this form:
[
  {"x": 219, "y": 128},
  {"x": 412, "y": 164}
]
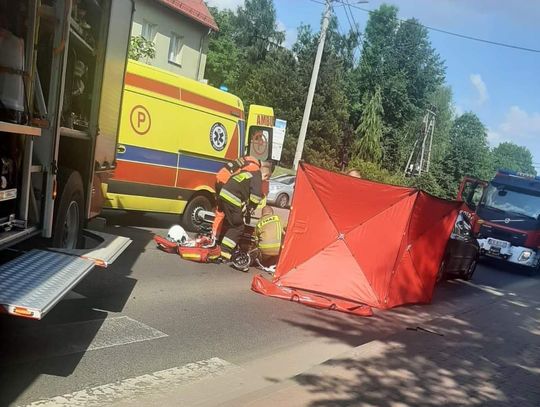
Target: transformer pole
[{"x": 312, "y": 85}]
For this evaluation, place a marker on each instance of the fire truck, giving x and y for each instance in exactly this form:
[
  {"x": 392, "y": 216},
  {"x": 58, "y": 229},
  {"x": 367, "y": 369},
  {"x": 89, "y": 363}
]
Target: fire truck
[
  {"x": 506, "y": 216},
  {"x": 61, "y": 84}
]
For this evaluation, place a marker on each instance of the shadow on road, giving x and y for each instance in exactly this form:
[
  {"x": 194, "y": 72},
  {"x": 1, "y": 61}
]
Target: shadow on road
[{"x": 487, "y": 353}]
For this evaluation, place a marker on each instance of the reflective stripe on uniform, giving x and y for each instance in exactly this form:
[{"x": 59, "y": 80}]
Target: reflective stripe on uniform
[
  {"x": 271, "y": 245},
  {"x": 270, "y": 219},
  {"x": 226, "y": 255},
  {"x": 230, "y": 197},
  {"x": 242, "y": 176},
  {"x": 255, "y": 198},
  {"x": 228, "y": 242}
]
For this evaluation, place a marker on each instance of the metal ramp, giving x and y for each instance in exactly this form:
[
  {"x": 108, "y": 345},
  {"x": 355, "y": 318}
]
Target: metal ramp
[
  {"x": 31, "y": 284},
  {"x": 105, "y": 253}
]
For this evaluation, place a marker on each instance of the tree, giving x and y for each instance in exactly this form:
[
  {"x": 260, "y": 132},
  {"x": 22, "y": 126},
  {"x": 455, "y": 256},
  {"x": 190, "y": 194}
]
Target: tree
[
  {"x": 510, "y": 156},
  {"x": 369, "y": 132},
  {"x": 244, "y": 38},
  {"x": 224, "y": 56},
  {"x": 329, "y": 114},
  {"x": 468, "y": 153},
  {"x": 397, "y": 57},
  {"x": 275, "y": 82},
  {"x": 373, "y": 172},
  {"x": 140, "y": 47},
  {"x": 257, "y": 28}
]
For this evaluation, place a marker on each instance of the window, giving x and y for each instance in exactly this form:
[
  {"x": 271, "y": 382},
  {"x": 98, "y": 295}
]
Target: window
[
  {"x": 516, "y": 202},
  {"x": 260, "y": 138},
  {"x": 149, "y": 30},
  {"x": 175, "y": 49}
]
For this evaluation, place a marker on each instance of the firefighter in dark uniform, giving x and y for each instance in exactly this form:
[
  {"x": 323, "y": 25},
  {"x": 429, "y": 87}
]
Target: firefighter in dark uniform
[
  {"x": 246, "y": 163},
  {"x": 243, "y": 192}
]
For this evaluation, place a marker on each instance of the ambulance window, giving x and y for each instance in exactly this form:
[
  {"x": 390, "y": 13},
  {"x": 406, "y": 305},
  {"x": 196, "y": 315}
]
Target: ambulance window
[{"x": 259, "y": 142}]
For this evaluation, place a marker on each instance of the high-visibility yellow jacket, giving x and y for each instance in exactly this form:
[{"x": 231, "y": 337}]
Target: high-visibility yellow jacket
[{"x": 269, "y": 233}]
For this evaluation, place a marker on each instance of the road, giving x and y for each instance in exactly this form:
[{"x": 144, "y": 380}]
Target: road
[{"x": 152, "y": 311}]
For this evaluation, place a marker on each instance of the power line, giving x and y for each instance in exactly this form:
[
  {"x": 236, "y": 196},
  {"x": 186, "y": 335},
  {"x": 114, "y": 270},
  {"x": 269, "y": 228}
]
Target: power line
[
  {"x": 348, "y": 19},
  {"x": 355, "y": 29},
  {"x": 451, "y": 33},
  {"x": 352, "y": 16}
]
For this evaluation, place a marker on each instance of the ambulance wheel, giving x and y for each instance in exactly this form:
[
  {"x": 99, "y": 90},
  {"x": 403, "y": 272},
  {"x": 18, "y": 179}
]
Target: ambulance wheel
[
  {"x": 68, "y": 210},
  {"x": 190, "y": 219}
]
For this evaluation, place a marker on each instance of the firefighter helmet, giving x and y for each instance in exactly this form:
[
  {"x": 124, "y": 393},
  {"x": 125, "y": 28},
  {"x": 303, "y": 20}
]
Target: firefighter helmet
[{"x": 177, "y": 234}]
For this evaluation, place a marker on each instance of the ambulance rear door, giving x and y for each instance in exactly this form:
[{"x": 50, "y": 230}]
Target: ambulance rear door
[{"x": 260, "y": 126}]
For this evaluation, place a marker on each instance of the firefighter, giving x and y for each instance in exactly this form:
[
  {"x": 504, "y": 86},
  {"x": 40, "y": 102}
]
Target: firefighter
[
  {"x": 269, "y": 233},
  {"x": 246, "y": 163},
  {"x": 242, "y": 193}
]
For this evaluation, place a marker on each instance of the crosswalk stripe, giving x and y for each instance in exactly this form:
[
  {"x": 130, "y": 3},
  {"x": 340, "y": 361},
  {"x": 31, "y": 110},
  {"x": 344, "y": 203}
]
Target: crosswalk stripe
[{"x": 130, "y": 389}]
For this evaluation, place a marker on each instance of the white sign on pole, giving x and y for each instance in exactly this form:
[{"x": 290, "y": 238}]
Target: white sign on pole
[{"x": 278, "y": 139}]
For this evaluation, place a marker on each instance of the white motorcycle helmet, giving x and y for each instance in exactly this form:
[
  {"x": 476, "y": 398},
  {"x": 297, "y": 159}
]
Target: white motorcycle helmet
[{"x": 177, "y": 234}]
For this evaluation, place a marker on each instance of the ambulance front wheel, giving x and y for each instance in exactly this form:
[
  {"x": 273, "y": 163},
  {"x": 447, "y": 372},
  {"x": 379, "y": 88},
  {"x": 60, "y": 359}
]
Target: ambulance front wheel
[{"x": 190, "y": 219}]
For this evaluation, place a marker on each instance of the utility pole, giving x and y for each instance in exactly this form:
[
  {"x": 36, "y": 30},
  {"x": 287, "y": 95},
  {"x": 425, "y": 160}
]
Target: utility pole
[
  {"x": 420, "y": 158},
  {"x": 312, "y": 85}
]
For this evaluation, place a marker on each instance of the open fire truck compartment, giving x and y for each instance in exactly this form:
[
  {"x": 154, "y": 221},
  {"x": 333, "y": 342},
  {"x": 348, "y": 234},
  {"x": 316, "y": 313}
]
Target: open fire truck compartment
[{"x": 61, "y": 85}]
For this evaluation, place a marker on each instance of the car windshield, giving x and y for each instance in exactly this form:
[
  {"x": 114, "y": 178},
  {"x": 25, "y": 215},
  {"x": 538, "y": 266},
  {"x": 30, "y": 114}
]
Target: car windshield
[
  {"x": 287, "y": 181},
  {"x": 509, "y": 200},
  {"x": 284, "y": 179}
]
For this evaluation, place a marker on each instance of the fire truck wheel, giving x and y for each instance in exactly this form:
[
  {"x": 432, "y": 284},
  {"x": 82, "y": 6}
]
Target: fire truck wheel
[
  {"x": 189, "y": 218},
  {"x": 441, "y": 272},
  {"x": 68, "y": 211},
  {"x": 470, "y": 271}
]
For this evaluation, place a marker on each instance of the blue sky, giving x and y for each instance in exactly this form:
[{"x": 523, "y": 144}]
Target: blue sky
[{"x": 502, "y": 86}]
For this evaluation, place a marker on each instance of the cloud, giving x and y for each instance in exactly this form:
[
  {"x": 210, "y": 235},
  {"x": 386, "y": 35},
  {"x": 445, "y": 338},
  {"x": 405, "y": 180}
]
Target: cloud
[
  {"x": 290, "y": 34},
  {"x": 520, "y": 127},
  {"x": 458, "y": 110},
  {"x": 225, "y": 4},
  {"x": 480, "y": 87}
]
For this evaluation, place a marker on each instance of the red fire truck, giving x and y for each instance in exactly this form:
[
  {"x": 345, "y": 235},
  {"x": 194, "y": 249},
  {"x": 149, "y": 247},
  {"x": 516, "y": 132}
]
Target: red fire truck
[{"x": 507, "y": 216}]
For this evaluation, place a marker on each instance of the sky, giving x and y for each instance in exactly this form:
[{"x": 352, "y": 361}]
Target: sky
[{"x": 501, "y": 85}]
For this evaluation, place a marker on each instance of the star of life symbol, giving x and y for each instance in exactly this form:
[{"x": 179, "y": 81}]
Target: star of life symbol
[{"x": 218, "y": 137}]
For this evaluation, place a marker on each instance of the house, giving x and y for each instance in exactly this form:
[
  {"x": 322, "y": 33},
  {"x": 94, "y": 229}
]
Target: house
[{"x": 179, "y": 30}]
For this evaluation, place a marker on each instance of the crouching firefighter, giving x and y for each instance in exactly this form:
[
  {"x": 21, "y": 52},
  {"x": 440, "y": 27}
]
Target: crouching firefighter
[
  {"x": 242, "y": 192},
  {"x": 246, "y": 163},
  {"x": 269, "y": 233}
]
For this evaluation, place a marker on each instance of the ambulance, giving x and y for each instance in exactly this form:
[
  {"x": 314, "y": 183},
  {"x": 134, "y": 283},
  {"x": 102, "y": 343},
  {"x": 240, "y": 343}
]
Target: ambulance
[{"x": 175, "y": 134}]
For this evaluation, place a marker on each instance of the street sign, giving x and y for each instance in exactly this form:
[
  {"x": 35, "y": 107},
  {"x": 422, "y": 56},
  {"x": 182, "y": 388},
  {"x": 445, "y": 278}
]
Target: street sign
[{"x": 278, "y": 138}]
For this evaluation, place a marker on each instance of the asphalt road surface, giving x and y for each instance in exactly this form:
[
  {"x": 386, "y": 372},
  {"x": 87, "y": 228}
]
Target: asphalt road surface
[{"x": 152, "y": 311}]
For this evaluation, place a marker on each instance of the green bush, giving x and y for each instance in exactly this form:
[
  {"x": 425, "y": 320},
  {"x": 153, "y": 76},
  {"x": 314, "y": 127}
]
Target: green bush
[{"x": 140, "y": 47}]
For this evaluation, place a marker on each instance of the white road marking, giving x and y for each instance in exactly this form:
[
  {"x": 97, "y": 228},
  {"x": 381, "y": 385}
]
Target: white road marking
[
  {"x": 123, "y": 331},
  {"x": 490, "y": 290},
  {"x": 130, "y": 389}
]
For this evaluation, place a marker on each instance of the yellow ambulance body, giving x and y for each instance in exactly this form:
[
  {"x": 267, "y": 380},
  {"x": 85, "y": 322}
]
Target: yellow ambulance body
[{"x": 175, "y": 134}]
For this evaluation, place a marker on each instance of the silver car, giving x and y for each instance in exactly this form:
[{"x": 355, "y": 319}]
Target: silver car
[{"x": 281, "y": 190}]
